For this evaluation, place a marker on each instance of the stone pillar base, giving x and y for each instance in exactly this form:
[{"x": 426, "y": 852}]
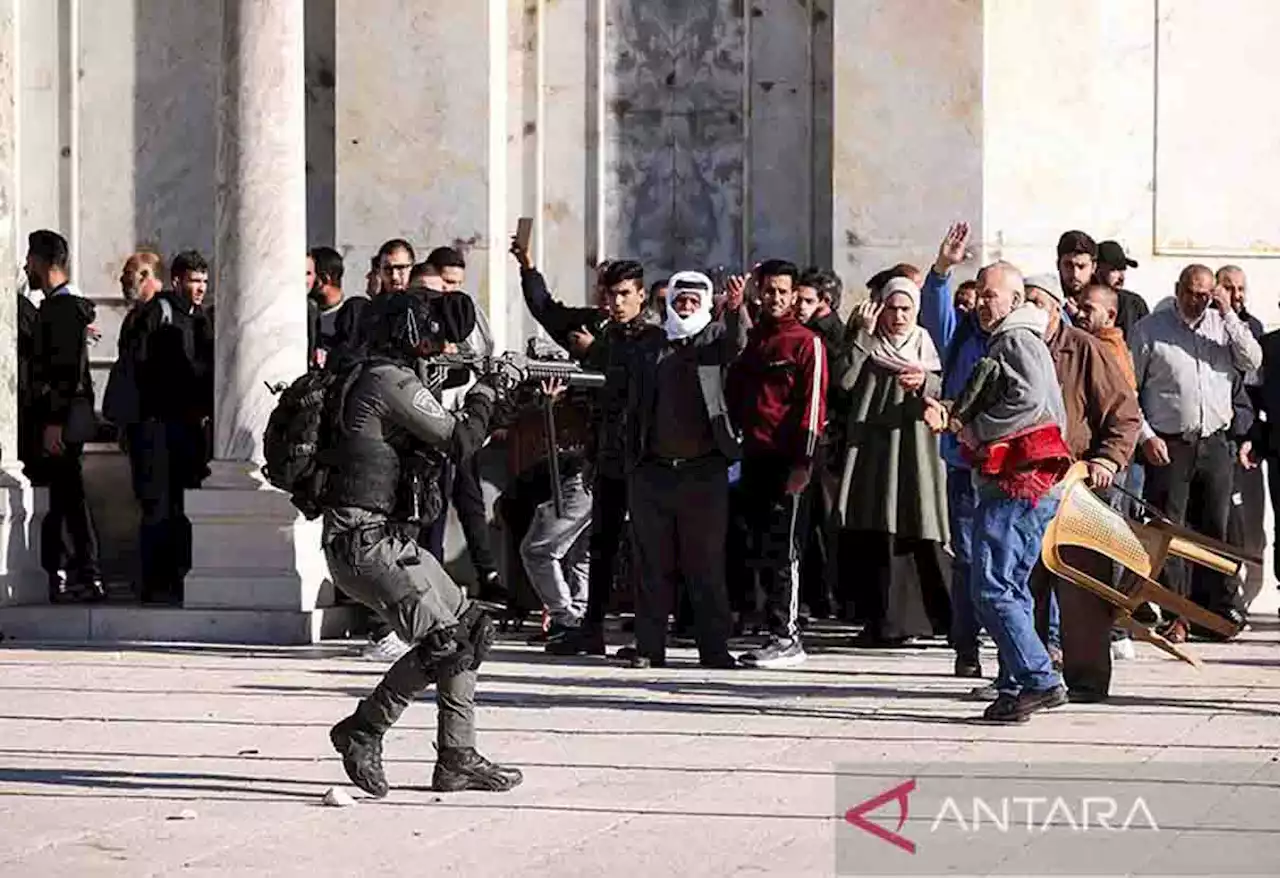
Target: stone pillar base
[
  {"x": 22, "y": 508},
  {"x": 251, "y": 549}
]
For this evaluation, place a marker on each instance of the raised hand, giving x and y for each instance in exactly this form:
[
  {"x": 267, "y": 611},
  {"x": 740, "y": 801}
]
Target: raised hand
[
  {"x": 521, "y": 253},
  {"x": 952, "y": 250},
  {"x": 867, "y": 314},
  {"x": 735, "y": 292}
]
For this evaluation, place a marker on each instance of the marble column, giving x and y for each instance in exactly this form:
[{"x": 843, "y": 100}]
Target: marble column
[
  {"x": 20, "y": 576},
  {"x": 252, "y": 550},
  {"x": 261, "y": 218}
]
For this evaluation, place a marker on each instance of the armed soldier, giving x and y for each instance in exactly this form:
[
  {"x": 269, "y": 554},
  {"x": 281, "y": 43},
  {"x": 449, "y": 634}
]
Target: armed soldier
[{"x": 392, "y": 438}]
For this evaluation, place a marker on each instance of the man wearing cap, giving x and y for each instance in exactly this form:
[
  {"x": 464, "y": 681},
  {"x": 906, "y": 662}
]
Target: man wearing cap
[
  {"x": 1112, "y": 264},
  {"x": 1103, "y": 422},
  {"x": 1186, "y": 359},
  {"x": 679, "y": 444}
]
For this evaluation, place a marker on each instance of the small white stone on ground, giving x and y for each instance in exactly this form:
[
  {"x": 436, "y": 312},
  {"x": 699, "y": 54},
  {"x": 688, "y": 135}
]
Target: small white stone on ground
[{"x": 337, "y": 798}]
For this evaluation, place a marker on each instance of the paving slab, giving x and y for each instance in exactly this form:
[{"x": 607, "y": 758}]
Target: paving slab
[{"x": 677, "y": 771}]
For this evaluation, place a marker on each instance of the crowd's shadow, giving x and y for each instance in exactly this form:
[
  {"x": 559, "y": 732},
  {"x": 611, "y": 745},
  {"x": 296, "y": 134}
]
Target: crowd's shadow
[{"x": 162, "y": 781}]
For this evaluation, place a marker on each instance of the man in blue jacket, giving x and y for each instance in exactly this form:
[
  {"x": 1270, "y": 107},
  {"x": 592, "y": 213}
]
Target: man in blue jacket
[{"x": 964, "y": 343}]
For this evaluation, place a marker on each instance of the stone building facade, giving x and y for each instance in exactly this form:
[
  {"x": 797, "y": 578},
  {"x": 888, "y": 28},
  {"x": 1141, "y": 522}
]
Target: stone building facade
[{"x": 686, "y": 133}]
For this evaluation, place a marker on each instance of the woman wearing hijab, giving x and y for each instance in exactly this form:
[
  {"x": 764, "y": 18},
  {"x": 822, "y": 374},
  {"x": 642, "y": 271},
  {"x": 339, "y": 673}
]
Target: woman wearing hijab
[{"x": 891, "y": 505}]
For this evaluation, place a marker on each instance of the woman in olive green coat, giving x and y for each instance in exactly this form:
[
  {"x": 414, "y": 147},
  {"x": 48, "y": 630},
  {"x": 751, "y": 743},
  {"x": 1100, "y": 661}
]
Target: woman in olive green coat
[{"x": 892, "y": 504}]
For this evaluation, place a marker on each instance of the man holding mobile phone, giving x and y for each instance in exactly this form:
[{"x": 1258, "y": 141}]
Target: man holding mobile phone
[{"x": 602, "y": 338}]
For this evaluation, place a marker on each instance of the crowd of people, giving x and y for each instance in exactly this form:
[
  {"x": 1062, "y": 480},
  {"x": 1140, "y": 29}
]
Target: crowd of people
[{"x": 754, "y": 460}]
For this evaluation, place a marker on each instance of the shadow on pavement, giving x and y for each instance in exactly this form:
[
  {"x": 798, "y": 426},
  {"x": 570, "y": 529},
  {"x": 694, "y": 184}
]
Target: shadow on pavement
[{"x": 160, "y": 781}]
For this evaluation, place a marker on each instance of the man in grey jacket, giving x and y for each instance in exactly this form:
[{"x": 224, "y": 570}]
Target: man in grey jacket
[{"x": 1011, "y": 422}]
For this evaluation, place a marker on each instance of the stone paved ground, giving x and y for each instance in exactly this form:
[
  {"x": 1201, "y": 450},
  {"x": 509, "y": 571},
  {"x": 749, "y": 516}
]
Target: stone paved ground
[{"x": 665, "y": 772}]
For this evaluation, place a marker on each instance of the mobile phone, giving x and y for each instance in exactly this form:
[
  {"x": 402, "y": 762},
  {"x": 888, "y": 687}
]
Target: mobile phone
[{"x": 524, "y": 231}]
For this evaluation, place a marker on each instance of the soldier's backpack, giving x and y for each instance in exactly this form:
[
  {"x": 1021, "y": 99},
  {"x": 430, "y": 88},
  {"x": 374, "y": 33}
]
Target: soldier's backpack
[{"x": 297, "y": 435}]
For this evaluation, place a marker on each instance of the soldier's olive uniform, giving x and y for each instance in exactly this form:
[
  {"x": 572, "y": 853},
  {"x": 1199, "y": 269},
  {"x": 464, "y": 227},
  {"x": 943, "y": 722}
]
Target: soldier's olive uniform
[{"x": 389, "y": 419}]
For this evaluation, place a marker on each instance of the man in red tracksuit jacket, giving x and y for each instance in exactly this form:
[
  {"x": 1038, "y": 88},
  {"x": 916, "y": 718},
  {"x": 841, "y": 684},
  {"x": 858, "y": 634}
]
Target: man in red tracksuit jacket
[{"x": 776, "y": 393}]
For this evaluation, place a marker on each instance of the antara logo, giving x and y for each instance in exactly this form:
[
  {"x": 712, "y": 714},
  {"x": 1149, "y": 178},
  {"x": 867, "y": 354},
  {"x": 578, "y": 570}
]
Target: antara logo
[{"x": 1006, "y": 814}]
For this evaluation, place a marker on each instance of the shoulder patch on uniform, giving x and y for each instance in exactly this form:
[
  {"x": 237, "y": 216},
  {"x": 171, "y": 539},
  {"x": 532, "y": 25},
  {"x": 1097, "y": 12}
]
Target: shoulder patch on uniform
[{"x": 424, "y": 401}]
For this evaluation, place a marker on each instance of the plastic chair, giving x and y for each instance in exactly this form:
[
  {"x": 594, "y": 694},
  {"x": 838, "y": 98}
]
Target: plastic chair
[{"x": 1084, "y": 521}]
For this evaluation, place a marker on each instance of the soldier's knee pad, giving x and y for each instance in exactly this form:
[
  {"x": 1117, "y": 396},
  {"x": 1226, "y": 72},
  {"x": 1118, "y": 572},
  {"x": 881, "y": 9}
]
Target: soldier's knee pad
[
  {"x": 444, "y": 654},
  {"x": 480, "y": 630}
]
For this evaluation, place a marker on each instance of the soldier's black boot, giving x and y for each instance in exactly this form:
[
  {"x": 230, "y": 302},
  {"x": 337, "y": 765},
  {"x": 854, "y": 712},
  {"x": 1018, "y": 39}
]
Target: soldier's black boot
[
  {"x": 462, "y": 768},
  {"x": 361, "y": 750}
]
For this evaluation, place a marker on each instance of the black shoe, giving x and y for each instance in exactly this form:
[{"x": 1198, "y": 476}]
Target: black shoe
[
  {"x": 1018, "y": 709},
  {"x": 969, "y": 668},
  {"x": 985, "y": 692},
  {"x": 93, "y": 590},
  {"x": 868, "y": 639},
  {"x": 631, "y": 657},
  {"x": 721, "y": 662},
  {"x": 586, "y": 640},
  {"x": 492, "y": 590},
  {"x": 361, "y": 751},
  {"x": 1232, "y": 615},
  {"x": 462, "y": 768},
  {"x": 553, "y": 631},
  {"x": 1148, "y": 614},
  {"x": 57, "y": 587}
]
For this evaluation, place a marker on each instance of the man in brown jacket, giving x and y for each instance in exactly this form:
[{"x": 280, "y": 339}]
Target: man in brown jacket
[{"x": 1103, "y": 421}]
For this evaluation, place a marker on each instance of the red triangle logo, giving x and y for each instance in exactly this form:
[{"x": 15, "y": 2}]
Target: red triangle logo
[{"x": 899, "y": 794}]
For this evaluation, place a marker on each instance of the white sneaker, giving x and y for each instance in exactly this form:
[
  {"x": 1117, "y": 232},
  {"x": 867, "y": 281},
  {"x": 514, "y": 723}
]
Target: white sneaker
[
  {"x": 388, "y": 649},
  {"x": 1122, "y": 649}
]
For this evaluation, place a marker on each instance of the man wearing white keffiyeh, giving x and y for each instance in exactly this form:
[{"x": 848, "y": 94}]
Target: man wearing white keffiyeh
[{"x": 679, "y": 445}]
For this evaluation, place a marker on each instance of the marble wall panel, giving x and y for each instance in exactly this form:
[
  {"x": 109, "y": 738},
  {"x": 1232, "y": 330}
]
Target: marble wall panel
[
  {"x": 673, "y": 133},
  {"x": 41, "y": 127},
  {"x": 412, "y": 100},
  {"x": 780, "y": 131},
  {"x": 566, "y": 248},
  {"x": 176, "y": 63},
  {"x": 321, "y": 74},
  {"x": 1215, "y": 168},
  {"x": 907, "y": 135},
  {"x": 821, "y": 173}
]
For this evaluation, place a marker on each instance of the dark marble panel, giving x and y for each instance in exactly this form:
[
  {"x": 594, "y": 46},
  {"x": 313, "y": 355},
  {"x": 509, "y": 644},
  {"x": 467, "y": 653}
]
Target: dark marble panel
[{"x": 673, "y": 132}]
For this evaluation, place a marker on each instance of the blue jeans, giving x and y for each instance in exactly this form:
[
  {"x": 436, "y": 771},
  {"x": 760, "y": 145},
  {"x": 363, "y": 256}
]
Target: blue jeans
[
  {"x": 962, "y": 498},
  {"x": 1055, "y": 622},
  {"x": 1006, "y": 545}
]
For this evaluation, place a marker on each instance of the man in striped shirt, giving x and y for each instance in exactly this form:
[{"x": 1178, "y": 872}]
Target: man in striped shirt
[{"x": 776, "y": 393}]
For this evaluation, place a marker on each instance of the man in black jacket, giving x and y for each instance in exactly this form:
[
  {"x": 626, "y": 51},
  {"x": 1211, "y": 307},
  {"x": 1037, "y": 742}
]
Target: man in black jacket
[
  {"x": 602, "y": 339},
  {"x": 332, "y": 320},
  {"x": 679, "y": 444},
  {"x": 63, "y": 409},
  {"x": 818, "y": 295},
  {"x": 171, "y": 347}
]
